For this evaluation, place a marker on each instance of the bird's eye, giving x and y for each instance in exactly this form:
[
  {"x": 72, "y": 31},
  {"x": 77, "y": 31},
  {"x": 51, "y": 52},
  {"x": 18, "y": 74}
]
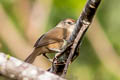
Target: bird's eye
[{"x": 69, "y": 22}]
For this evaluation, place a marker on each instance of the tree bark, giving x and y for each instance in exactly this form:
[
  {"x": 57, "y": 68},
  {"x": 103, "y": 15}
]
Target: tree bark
[{"x": 17, "y": 69}]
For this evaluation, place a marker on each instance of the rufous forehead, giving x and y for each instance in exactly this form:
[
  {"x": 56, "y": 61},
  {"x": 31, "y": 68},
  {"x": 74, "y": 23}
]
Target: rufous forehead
[{"x": 70, "y": 20}]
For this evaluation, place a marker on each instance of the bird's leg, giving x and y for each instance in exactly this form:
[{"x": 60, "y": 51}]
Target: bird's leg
[{"x": 47, "y": 57}]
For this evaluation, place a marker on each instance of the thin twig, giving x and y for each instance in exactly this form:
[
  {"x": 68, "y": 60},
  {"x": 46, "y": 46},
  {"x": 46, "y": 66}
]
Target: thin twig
[{"x": 82, "y": 25}]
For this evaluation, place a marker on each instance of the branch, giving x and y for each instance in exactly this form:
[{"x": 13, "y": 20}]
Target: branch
[
  {"x": 16, "y": 69},
  {"x": 82, "y": 25},
  {"x": 61, "y": 64}
]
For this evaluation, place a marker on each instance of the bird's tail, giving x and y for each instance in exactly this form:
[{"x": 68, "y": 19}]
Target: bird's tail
[{"x": 32, "y": 56}]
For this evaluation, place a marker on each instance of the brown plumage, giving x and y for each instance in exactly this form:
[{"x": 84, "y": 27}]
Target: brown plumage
[{"x": 53, "y": 39}]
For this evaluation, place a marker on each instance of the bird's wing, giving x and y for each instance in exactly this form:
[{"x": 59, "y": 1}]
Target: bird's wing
[
  {"x": 37, "y": 42},
  {"x": 42, "y": 42},
  {"x": 52, "y": 36}
]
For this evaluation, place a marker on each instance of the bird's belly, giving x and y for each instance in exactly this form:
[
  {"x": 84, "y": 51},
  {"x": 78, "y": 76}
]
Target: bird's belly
[{"x": 55, "y": 45}]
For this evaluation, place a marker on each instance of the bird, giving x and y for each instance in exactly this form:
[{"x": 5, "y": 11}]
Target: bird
[{"x": 53, "y": 40}]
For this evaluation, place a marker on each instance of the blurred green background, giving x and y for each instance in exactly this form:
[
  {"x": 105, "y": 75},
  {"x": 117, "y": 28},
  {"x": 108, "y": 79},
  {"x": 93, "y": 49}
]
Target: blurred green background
[{"x": 23, "y": 21}]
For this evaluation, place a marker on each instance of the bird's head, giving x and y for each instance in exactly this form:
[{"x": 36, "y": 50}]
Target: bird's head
[{"x": 69, "y": 24}]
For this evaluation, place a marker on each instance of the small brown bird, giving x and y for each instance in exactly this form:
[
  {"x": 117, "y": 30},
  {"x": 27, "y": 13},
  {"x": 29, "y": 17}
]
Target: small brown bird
[{"x": 53, "y": 40}]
